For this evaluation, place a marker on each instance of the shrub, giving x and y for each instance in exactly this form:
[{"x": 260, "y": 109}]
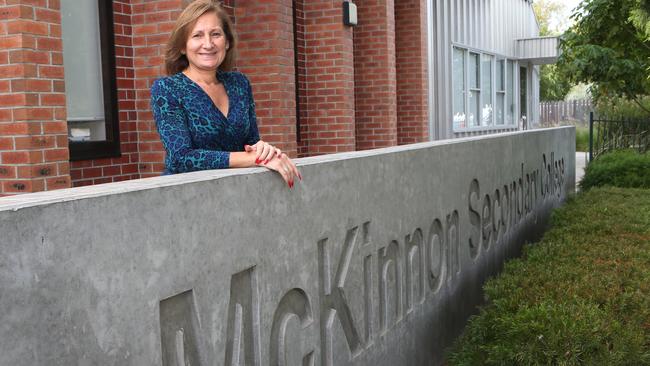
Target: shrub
[
  {"x": 581, "y": 296},
  {"x": 620, "y": 107},
  {"x": 623, "y": 168}
]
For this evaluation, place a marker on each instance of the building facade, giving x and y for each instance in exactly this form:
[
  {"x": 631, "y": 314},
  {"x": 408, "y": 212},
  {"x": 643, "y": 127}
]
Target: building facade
[{"x": 75, "y": 79}]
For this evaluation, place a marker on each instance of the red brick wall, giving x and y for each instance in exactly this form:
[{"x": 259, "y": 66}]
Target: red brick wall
[
  {"x": 33, "y": 129},
  {"x": 411, "y": 55},
  {"x": 374, "y": 70},
  {"x": 152, "y": 22},
  {"x": 266, "y": 56},
  {"x": 96, "y": 171},
  {"x": 327, "y": 119},
  {"x": 301, "y": 74}
]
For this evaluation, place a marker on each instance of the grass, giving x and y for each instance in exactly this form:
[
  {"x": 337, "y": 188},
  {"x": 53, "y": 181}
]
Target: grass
[
  {"x": 582, "y": 139},
  {"x": 581, "y": 296},
  {"x": 623, "y": 168}
]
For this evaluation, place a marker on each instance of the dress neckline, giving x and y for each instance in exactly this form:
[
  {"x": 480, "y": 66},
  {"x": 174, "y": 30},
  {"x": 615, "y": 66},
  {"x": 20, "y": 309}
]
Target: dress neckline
[{"x": 225, "y": 87}]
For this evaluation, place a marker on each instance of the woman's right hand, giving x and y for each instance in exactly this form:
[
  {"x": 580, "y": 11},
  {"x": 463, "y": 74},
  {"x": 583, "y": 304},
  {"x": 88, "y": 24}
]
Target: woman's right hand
[
  {"x": 264, "y": 150},
  {"x": 287, "y": 169}
]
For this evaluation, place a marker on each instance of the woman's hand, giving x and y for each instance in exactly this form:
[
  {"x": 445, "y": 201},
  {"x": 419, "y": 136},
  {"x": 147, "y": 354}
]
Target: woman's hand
[
  {"x": 265, "y": 151},
  {"x": 287, "y": 169}
]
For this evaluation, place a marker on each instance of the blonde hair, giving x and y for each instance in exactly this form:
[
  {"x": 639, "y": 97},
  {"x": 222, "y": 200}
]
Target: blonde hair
[{"x": 175, "y": 60}]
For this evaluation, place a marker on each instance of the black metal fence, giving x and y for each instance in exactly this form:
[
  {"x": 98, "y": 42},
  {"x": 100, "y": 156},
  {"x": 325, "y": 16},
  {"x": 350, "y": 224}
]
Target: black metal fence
[{"x": 608, "y": 134}]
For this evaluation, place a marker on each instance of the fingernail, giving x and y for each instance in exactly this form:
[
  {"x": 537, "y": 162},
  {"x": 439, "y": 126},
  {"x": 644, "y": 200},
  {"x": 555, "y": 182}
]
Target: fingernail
[
  {"x": 266, "y": 161},
  {"x": 257, "y": 161},
  {"x": 300, "y": 176}
]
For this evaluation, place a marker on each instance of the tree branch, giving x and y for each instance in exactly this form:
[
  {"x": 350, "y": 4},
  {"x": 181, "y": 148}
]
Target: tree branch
[{"x": 638, "y": 102}]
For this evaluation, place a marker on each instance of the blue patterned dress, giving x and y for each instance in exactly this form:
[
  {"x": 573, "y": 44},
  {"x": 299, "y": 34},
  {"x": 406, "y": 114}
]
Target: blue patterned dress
[{"x": 195, "y": 133}]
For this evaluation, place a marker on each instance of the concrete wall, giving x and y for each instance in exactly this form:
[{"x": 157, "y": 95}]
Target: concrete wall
[{"x": 376, "y": 258}]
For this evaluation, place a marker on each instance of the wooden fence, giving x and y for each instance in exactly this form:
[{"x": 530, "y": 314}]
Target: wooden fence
[{"x": 574, "y": 112}]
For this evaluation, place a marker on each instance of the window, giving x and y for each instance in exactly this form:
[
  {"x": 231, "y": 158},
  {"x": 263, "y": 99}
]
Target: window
[
  {"x": 483, "y": 90},
  {"x": 475, "y": 89},
  {"x": 486, "y": 90},
  {"x": 459, "y": 88},
  {"x": 510, "y": 93},
  {"x": 89, "y": 62},
  {"x": 501, "y": 92}
]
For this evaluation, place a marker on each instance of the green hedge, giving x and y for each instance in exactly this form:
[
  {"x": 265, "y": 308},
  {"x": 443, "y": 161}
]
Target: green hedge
[
  {"x": 579, "y": 297},
  {"x": 624, "y": 168}
]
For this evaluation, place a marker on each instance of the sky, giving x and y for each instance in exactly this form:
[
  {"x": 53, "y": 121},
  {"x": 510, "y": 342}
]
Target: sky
[{"x": 562, "y": 21}]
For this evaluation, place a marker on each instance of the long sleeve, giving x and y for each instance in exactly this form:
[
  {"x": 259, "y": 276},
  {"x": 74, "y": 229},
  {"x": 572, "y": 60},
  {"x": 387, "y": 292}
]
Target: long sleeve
[
  {"x": 254, "y": 135},
  {"x": 171, "y": 121}
]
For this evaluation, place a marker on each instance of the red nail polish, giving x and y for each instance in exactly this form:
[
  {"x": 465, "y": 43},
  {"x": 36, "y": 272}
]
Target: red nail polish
[
  {"x": 300, "y": 176},
  {"x": 257, "y": 161}
]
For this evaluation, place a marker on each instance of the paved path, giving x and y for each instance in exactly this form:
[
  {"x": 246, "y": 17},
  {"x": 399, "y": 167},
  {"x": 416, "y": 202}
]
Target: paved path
[{"x": 581, "y": 162}]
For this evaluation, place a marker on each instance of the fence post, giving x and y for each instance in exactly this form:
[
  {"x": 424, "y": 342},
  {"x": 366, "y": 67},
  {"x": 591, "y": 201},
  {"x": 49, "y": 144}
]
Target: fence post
[{"x": 591, "y": 136}]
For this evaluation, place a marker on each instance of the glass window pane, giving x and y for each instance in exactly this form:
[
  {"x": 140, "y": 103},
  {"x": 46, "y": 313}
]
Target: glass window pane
[
  {"x": 474, "y": 66},
  {"x": 510, "y": 94},
  {"x": 459, "y": 88},
  {"x": 486, "y": 90},
  {"x": 499, "y": 107},
  {"x": 474, "y": 108},
  {"x": 500, "y": 75},
  {"x": 83, "y": 86}
]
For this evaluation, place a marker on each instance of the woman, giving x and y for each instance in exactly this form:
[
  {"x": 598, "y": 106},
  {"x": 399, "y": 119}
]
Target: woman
[{"x": 204, "y": 112}]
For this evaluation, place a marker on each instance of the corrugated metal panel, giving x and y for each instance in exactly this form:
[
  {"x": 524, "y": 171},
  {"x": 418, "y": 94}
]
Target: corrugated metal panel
[
  {"x": 490, "y": 26},
  {"x": 539, "y": 50}
]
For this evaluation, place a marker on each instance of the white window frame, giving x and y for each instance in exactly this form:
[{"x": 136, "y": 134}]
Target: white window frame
[
  {"x": 475, "y": 90},
  {"x": 467, "y": 88},
  {"x": 500, "y": 61}
]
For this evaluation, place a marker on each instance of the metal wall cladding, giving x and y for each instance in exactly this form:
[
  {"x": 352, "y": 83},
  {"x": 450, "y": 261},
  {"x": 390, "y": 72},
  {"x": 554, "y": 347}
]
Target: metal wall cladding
[{"x": 490, "y": 26}]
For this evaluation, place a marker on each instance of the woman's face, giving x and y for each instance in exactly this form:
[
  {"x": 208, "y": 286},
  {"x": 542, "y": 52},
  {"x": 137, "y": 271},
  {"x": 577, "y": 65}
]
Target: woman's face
[{"x": 207, "y": 45}]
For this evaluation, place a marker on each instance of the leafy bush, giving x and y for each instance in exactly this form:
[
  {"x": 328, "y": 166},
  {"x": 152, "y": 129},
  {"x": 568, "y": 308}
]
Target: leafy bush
[
  {"x": 622, "y": 108},
  {"x": 579, "y": 297},
  {"x": 622, "y": 168}
]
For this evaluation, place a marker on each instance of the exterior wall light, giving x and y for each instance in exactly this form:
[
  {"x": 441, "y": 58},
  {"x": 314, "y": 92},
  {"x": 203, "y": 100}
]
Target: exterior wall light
[{"x": 349, "y": 13}]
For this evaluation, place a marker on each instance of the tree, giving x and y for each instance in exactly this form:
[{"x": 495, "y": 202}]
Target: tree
[
  {"x": 553, "y": 84},
  {"x": 640, "y": 17},
  {"x": 548, "y": 13},
  {"x": 609, "y": 47}
]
